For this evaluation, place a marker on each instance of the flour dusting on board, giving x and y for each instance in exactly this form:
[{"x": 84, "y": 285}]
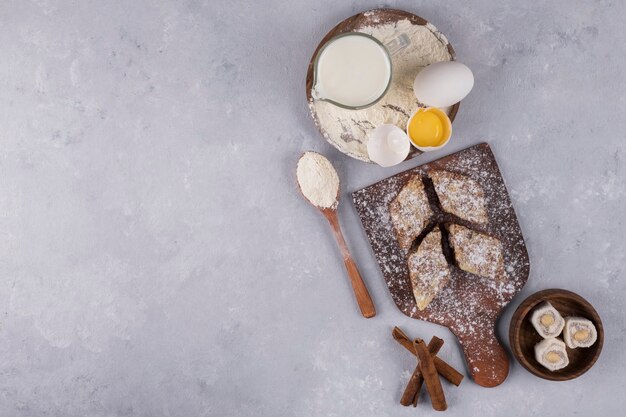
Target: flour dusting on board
[
  {"x": 470, "y": 304},
  {"x": 348, "y": 130}
]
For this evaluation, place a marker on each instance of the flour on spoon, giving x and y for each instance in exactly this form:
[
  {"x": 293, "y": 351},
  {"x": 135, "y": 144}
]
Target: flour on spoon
[{"x": 318, "y": 180}]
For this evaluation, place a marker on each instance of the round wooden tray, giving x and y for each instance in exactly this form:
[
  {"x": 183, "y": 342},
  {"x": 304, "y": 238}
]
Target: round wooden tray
[
  {"x": 523, "y": 336},
  {"x": 370, "y": 18}
]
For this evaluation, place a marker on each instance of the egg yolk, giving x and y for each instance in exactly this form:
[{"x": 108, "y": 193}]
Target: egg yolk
[{"x": 429, "y": 128}]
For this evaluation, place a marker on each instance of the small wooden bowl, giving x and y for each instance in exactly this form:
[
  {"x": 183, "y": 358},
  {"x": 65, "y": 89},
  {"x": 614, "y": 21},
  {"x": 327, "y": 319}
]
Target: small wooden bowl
[{"x": 523, "y": 336}]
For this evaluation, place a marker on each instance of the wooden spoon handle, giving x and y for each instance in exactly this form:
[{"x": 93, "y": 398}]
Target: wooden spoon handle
[{"x": 366, "y": 305}]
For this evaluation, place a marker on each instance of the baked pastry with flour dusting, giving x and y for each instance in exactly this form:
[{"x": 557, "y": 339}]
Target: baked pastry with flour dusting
[
  {"x": 428, "y": 269},
  {"x": 460, "y": 195},
  {"x": 476, "y": 252},
  {"x": 410, "y": 212}
]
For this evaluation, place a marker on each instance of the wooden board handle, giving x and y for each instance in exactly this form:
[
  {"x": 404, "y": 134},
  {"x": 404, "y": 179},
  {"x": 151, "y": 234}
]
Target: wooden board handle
[
  {"x": 363, "y": 299},
  {"x": 486, "y": 358}
]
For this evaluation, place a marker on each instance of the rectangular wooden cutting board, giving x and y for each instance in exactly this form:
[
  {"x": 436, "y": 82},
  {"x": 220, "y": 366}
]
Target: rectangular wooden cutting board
[{"x": 469, "y": 305}]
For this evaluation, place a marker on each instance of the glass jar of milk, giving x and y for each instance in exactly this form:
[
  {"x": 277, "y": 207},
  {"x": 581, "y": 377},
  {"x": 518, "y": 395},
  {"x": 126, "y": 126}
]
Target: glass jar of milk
[{"x": 353, "y": 70}]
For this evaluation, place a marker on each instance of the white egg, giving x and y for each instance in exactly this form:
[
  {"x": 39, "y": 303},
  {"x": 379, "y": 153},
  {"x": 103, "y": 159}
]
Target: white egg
[
  {"x": 388, "y": 145},
  {"x": 443, "y": 84}
]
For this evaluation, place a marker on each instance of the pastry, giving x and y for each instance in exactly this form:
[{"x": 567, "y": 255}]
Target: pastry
[
  {"x": 476, "y": 252},
  {"x": 551, "y": 354},
  {"x": 410, "y": 212},
  {"x": 460, "y": 195},
  {"x": 579, "y": 332},
  {"x": 547, "y": 320},
  {"x": 428, "y": 269}
]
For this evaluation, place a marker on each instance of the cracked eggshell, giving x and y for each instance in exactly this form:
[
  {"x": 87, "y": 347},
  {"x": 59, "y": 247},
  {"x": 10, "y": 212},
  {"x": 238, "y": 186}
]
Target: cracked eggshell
[{"x": 388, "y": 145}]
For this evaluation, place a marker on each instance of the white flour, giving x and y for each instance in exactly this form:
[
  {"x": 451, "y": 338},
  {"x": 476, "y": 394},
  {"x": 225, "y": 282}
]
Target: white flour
[
  {"x": 318, "y": 180},
  {"x": 348, "y": 130}
]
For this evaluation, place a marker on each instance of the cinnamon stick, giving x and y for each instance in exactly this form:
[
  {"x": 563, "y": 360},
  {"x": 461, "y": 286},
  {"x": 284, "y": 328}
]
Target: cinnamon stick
[
  {"x": 417, "y": 397},
  {"x": 413, "y": 387},
  {"x": 431, "y": 379},
  {"x": 445, "y": 370}
]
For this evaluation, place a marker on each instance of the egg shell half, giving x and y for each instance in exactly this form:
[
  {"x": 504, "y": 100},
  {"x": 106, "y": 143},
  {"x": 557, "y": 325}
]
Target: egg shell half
[{"x": 388, "y": 145}]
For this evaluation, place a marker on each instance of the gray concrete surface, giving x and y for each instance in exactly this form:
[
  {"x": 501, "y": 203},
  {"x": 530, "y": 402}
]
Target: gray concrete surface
[{"x": 157, "y": 260}]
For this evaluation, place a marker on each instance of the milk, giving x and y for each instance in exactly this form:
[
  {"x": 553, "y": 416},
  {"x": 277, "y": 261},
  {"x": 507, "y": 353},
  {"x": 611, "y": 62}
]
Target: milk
[{"x": 352, "y": 70}]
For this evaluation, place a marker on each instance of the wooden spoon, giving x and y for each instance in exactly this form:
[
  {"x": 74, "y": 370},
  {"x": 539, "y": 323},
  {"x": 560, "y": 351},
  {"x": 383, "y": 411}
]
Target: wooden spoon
[{"x": 360, "y": 290}]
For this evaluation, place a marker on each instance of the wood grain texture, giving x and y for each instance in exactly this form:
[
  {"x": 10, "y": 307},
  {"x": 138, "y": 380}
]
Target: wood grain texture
[
  {"x": 362, "y": 295},
  {"x": 523, "y": 337},
  {"x": 373, "y": 17},
  {"x": 469, "y": 306}
]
